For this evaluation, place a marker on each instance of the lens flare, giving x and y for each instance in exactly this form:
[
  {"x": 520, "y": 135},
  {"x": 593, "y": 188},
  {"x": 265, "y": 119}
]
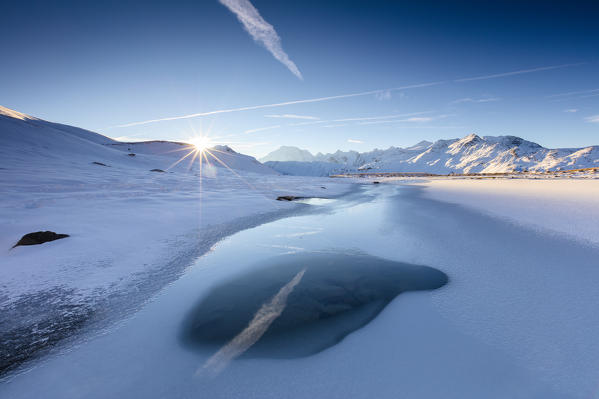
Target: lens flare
[{"x": 201, "y": 143}]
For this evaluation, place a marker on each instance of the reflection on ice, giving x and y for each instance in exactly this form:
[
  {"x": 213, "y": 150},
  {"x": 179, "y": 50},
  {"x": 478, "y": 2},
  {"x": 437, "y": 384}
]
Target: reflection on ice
[
  {"x": 267, "y": 313},
  {"x": 271, "y": 312},
  {"x": 316, "y": 201}
]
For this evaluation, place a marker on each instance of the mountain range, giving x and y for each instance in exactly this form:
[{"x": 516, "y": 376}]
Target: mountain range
[
  {"x": 469, "y": 154},
  {"x": 30, "y": 143}
]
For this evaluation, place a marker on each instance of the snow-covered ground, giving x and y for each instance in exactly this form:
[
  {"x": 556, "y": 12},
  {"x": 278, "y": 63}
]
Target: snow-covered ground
[
  {"x": 131, "y": 229},
  {"x": 557, "y": 206},
  {"x": 517, "y": 318}
]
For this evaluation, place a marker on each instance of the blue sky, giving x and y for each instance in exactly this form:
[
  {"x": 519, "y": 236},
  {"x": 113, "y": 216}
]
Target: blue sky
[{"x": 408, "y": 65}]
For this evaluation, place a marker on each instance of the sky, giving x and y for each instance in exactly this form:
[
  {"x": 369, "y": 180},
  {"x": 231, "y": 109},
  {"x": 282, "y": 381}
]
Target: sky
[{"x": 320, "y": 75}]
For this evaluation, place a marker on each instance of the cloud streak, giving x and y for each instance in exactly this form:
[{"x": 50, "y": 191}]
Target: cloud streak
[
  {"x": 520, "y": 72},
  {"x": 259, "y": 129},
  {"x": 573, "y": 93},
  {"x": 337, "y": 97},
  {"x": 294, "y": 102},
  {"x": 475, "y": 100},
  {"x": 261, "y": 31},
  {"x": 592, "y": 119},
  {"x": 293, "y": 116}
]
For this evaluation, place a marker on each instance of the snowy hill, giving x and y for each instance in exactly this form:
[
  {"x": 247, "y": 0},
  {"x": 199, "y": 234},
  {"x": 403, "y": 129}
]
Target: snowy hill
[
  {"x": 32, "y": 143},
  {"x": 470, "y": 154}
]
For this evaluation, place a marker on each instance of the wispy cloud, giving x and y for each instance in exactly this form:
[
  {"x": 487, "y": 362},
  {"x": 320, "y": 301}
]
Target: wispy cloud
[
  {"x": 520, "y": 72},
  {"x": 573, "y": 93},
  {"x": 292, "y": 116},
  {"x": 419, "y": 119},
  {"x": 261, "y": 31},
  {"x": 283, "y": 104},
  {"x": 592, "y": 119},
  {"x": 355, "y": 141},
  {"x": 475, "y": 100},
  {"x": 336, "y": 125},
  {"x": 366, "y": 118},
  {"x": 571, "y": 110},
  {"x": 384, "y": 95},
  {"x": 260, "y": 129}
]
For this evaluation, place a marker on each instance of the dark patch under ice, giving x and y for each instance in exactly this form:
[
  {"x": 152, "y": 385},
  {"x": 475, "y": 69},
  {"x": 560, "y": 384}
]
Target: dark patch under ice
[{"x": 338, "y": 294}]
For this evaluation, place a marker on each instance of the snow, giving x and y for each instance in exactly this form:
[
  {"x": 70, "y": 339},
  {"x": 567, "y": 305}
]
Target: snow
[
  {"x": 564, "y": 206},
  {"x": 470, "y": 154},
  {"x": 125, "y": 222},
  {"x": 517, "y": 318},
  {"x": 122, "y": 217},
  {"x": 295, "y": 168},
  {"x": 288, "y": 153}
]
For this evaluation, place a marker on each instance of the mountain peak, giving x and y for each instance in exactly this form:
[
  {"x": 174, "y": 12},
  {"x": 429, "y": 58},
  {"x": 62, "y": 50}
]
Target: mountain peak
[{"x": 288, "y": 153}]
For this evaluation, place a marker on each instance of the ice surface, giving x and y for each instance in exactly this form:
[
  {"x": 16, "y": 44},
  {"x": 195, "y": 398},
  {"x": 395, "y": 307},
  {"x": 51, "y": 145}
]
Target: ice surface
[
  {"x": 337, "y": 294},
  {"x": 517, "y": 318}
]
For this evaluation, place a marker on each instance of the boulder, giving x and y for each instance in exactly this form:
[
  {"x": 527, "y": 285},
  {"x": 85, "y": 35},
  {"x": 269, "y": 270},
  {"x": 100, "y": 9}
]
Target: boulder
[{"x": 39, "y": 237}]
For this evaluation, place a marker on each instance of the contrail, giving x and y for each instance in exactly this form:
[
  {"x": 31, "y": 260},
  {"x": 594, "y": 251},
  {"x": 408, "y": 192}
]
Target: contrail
[
  {"x": 261, "y": 31},
  {"x": 500, "y": 75},
  {"x": 268, "y": 313},
  {"x": 310, "y": 100}
]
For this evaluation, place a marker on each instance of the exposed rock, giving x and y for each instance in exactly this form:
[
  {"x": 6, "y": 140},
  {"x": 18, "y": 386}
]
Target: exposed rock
[
  {"x": 39, "y": 237},
  {"x": 157, "y": 170},
  {"x": 376, "y": 182},
  {"x": 288, "y": 198},
  {"x": 99, "y": 163},
  {"x": 131, "y": 154}
]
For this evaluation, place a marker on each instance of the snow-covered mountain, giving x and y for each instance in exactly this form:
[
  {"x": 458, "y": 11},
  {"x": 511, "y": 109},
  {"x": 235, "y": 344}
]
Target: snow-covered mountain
[
  {"x": 470, "y": 154},
  {"x": 287, "y": 153},
  {"x": 29, "y": 142}
]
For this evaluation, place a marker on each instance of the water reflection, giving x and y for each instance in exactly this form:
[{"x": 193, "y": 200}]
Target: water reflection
[{"x": 334, "y": 295}]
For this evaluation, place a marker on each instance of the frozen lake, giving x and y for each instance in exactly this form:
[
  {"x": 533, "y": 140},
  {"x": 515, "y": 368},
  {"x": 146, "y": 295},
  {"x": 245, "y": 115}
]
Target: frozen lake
[{"x": 517, "y": 318}]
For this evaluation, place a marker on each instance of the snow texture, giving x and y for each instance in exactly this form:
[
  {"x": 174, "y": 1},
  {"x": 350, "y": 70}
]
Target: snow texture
[{"x": 470, "y": 154}]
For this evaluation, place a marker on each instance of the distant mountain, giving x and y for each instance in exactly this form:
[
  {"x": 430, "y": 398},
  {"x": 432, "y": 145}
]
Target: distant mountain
[
  {"x": 470, "y": 154},
  {"x": 32, "y": 143},
  {"x": 287, "y": 153}
]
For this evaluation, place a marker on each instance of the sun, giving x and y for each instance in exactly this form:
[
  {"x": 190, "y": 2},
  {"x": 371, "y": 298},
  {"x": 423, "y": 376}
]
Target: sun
[{"x": 201, "y": 143}]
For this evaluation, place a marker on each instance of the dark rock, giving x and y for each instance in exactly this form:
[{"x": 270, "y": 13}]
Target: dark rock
[
  {"x": 131, "y": 154},
  {"x": 39, "y": 237},
  {"x": 99, "y": 163},
  {"x": 288, "y": 198},
  {"x": 376, "y": 182},
  {"x": 157, "y": 170},
  {"x": 336, "y": 295},
  {"x": 323, "y": 187}
]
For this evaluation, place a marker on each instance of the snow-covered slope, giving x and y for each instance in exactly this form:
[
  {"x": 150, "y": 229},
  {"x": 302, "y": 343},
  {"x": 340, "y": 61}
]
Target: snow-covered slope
[
  {"x": 29, "y": 142},
  {"x": 131, "y": 230},
  {"x": 470, "y": 154},
  {"x": 316, "y": 168}
]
